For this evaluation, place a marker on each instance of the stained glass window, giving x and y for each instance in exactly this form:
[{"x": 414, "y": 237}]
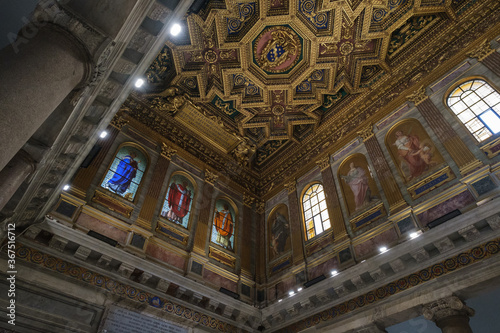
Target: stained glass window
[
  {"x": 315, "y": 211},
  {"x": 177, "y": 205},
  {"x": 125, "y": 173},
  {"x": 223, "y": 225},
  {"x": 477, "y": 105}
]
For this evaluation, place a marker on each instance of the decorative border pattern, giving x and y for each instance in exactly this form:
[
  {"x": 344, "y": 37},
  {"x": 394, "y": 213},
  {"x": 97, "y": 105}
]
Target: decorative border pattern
[
  {"x": 449, "y": 265},
  {"x": 114, "y": 287}
]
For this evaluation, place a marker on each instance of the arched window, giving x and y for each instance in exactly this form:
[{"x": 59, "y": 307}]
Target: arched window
[
  {"x": 125, "y": 172},
  {"x": 315, "y": 211},
  {"x": 477, "y": 105},
  {"x": 180, "y": 196}
]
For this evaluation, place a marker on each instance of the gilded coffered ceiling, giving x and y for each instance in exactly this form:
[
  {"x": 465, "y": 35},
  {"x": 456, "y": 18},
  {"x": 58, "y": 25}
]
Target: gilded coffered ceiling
[{"x": 270, "y": 85}]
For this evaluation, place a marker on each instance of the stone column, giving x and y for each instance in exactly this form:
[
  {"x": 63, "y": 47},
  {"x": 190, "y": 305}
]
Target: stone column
[
  {"x": 332, "y": 200},
  {"x": 450, "y": 314},
  {"x": 391, "y": 189},
  {"x": 36, "y": 77},
  {"x": 487, "y": 56},
  {"x": 84, "y": 176},
  {"x": 148, "y": 207},
  {"x": 457, "y": 149},
  {"x": 200, "y": 237},
  {"x": 295, "y": 223},
  {"x": 14, "y": 174}
]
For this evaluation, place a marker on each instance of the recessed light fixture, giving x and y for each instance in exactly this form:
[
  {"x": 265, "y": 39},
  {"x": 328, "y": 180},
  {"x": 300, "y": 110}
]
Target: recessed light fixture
[
  {"x": 139, "y": 83},
  {"x": 414, "y": 235},
  {"x": 334, "y": 272},
  {"x": 103, "y": 134},
  {"x": 66, "y": 187},
  {"x": 175, "y": 29},
  {"x": 291, "y": 293},
  {"x": 300, "y": 289},
  {"x": 383, "y": 249},
  {"x": 279, "y": 300}
]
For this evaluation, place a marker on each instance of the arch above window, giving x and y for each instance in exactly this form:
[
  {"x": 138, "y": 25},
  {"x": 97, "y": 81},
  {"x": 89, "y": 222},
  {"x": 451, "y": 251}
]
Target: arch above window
[
  {"x": 316, "y": 218},
  {"x": 477, "y": 105}
]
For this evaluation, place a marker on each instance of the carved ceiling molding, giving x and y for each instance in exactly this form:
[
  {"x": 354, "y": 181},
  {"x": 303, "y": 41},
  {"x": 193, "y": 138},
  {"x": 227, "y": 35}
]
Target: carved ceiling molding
[
  {"x": 366, "y": 132},
  {"x": 324, "y": 162},
  {"x": 118, "y": 122},
  {"x": 418, "y": 96}
]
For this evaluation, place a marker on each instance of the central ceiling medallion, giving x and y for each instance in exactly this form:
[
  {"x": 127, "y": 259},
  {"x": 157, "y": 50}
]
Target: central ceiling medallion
[{"x": 277, "y": 49}]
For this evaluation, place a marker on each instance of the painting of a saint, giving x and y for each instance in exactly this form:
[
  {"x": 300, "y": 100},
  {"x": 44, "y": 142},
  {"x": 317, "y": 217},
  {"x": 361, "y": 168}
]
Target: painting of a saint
[
  {"x": 125, "y": 173},
  {"x": 413, "y": 151},
  {"x": 223, "y": 225},
  {"x": 358, "y": 185},
  {"x": 177, "y": 204},
  {"x": 279, "y": 232}
]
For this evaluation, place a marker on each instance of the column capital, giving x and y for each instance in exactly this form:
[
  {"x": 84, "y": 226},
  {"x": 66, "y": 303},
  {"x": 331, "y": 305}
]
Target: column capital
[
  {"x": 324, "y": 162},
  {"x": 366, "y": 132},
  {"x": 167, "y": 151},
  {"x": 118, "y": 122},
  {"x": 248, "y": 200},
  {"x": 482, "y": 51},
  {"x": 291, "y": 186},
  {"x": 210, "y": 177},
  {"x": 418, "y": 96},
  {"x": 446, "y": 307},
  {"x": 260, "y": 207}
]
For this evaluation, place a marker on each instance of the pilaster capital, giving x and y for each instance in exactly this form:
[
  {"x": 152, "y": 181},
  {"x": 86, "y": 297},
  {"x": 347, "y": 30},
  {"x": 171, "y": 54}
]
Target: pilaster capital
[
  {"x": 366, "y": 132},
  {"x": 210, "y": 177},
  {"x": 482, "y": 51},
  {"x": 291, "y": 186},
  {"x": 418, "y": 96},
  {"x": 118, "y": 122},
  {"x": 446, "y": 307},
  {"x": 324, "y": 162},
  {"x": 248, "y": 200},
  {"x": 167, "y": 151},
  {"x": 260, "y": 207}
]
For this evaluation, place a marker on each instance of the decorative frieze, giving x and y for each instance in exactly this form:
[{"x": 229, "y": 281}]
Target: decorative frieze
[
  {"x": 482, "y": 51},
  {"x": 167, "y": 151},
  {"x": 323, "y": 162},
  {"x": 210, "y": 177}
]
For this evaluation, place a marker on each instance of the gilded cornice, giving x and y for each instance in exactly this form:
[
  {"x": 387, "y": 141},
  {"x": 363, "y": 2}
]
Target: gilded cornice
[
  {"x": 291, "y": 186},
  {"x": 248, "y": 200},
  {"x": 260, "y": 207}
]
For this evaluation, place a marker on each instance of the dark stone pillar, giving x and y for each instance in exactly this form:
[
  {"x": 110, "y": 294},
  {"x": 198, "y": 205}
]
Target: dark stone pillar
[
  {"x": 36, "y": 77},
  {"x": 458, "y": 150},
  {"x": 295, "y": 223},
  {"x": 200, "y": 237},
  {"x": 148, "y": 207},
  {"x": 391, "y": 189}
]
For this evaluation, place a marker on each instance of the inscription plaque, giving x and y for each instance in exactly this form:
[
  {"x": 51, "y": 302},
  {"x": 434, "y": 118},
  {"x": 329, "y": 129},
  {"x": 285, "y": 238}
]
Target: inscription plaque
[{"x": 120, "y": 320}]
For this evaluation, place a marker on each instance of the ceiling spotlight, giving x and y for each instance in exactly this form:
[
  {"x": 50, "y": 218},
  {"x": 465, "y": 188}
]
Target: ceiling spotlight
[
  {"x": 291, "y": 293},
  {"x": 139, "y": 83},
  {"x": 175, "y": 29},
  {"x": 279, "y": 300},
  {"x": 66, "y": 187},
  {"x": 103, "y": 134},
  {"x": 414, "y": 235},
  {"x": 300, "y": 289},
  {"x": 383, "y": 249},
  {"x": 334, "y": 272}
]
